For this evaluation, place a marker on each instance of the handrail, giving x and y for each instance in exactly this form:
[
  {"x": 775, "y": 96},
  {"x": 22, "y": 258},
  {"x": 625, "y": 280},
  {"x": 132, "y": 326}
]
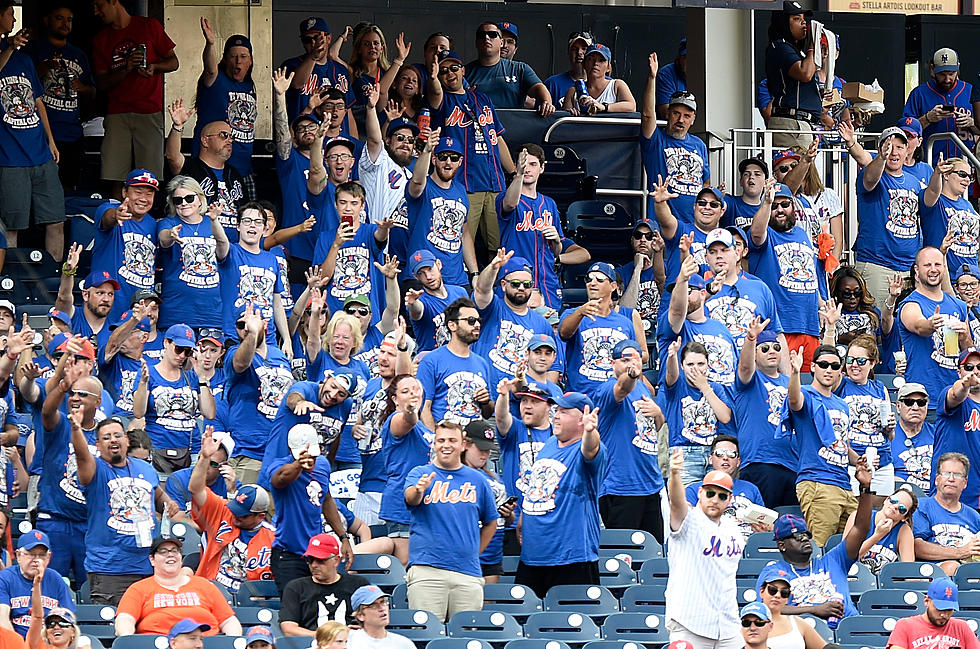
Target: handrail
[{"x": 955, "y": 139}]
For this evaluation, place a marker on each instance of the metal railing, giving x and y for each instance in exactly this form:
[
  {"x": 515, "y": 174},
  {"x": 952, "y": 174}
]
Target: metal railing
[{"x": 956, "y": 140}]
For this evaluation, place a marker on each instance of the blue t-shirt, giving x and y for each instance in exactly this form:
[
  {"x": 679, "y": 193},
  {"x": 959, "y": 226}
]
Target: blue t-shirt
[
  {"x": 934, "y": 523},
  {"x": 285, "y": 295},
  {"x": 865, "y": 427},
  {"x": 922, "y": 171},
  {"x": 254, "y": 396},
  {"x": 469, "y": 118},
  {"x": 16, "y": 589},
  {"x": 820, "y": 434},
  {"x": 80, "y": 326},
  {"x": 787, "y": 263},
  {"x": 762, "y": 96},
  {"x": 449, "y": 383},
  {"x": 912, "y": 456},
  {"x": 885, "y": 550},
  {"x": 234, "y": 102},
  {"x": 60, "y": 103},
  {"x": 436, "y": 221},
  {"x": 735, "y": 306},
  {"x": 520, "y": 231},
  {"x": 518, "y": 450},
  {"x": 122, "y": 518},
  {"x": 430, "y": 330},
  {"x": 559, "y": 84},
  {"x": 326, "y": 75},
  {"x": 631, "y": 440},
  {"x": 249, "y": 277},
  {"x": 588, "y": 353},
  {"x": 758, "y": 441},
  {"x": 128, "y": 251},
  {"x": 506, "y": 82},
  {"x": 956, "y": 216},
  {"x": 324, "y": 362},
  {"x": 683, "y": 165},
  {"x": 23, "y": 142},
  {"x": 177, "y": 488},
  {"x": 785, "y": 90},
  {"x": 373, "y": 472},
  {"x": 453, "y": 507},
  {"x": 957, "y": 430},
  {"x": 690, "y": 418},
  {"x": 888, "y": 221},
  {"x": 647, "y": 293},
  {"x": 672, "y": 253},
  {"x": 402, "y": 454},
  {"x": 823, "y": 580},
  {"x": 494, "y": 552},
  {"x": 172, "y": 408},
  {"x": 301, "y": 503},
  {"x": 738, "y": 212},
  {"x": 722, "y": 353},
  {"x": 190, "y": 276},
  {"x": 562, "y": 496},
  {"x": 354, "y": 272},
  {"x": 60, "y": 494},
  {"x": 508, "y": 348},
  {"x": 927, "y": 96},
  {"x": 292, "y": 173},
  {"x": 670, "y": 79},
  {"x": 120, "y": 376},
  {"x": 928, "y": 363}
]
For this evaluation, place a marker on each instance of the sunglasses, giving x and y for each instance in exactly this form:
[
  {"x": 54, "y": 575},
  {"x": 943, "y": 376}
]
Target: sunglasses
[
  {"x": 81, "y": 393},
  {"x": 902, "y": 509},
  {"x": 306, "y": 40},
  {"x": 448, "y": 155},
  {"x": 488, "y": 34},
  {"x": 521, "y": 283},
  {"x": 756, "y": 623},
  {"x": 318, "y": 560},
  {"x": 703, "y": 203},
  {"x": 764, "y": 347},
  {"x": 856, "y": 293},
  {"x": 724, "y": 452},
  {"x": 782, "y": 592},
  {"x": 598, "y": 279},
  {"x": 962, "y": 174},
  {"x": 805, "y": 535},
  {"x": 969, "y": 367},
  {"x": 922, "y": 403},
  {"x": 471, "y": 321},
  {"x": 825, "y": 364},
  {"x": 357, "y": 310},
  {"x": 453, "y": 67},
  {"x": 211, "y": 333},
  {"x": 183, "y": 351},
  {"x": 216, "y": 465},
  {"x": 401, "y": 137},
  {"x": 785, "y": 168},
  {"x": 860, "y": 361},
  {"x": 58, "y": 624},
  {"x": 643, "y": 235},
  {"x": 224, "y": 135},
  {"x": 722, "y": 495},
  {"x": 240, "y": 324},
  {"x": 782, "y": 205},
  {"x": 188, "y": 198}
]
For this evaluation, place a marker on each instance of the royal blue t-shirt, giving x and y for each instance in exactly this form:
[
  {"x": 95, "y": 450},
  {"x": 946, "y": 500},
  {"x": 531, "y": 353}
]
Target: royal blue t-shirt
[
  {"x": 928, "y": 363},
  {"x": 402, "y": 454},
  {"x": 249, "y": 277},
  {"x": 61, "y": 106},
  {"x": 190, "y": 276},
  {"x": 373, "y": 472},
  {"x": 959, "y": 431},
  {"x": 326, "y": 75},
  {"x": 647, "y": 293},
  {"x": 234, "y": 102},
  {"x": 301, "y": 503},
  {"x": 519, "y": 448},
  {"x": 736, "y": 305},
  {"x": 690, "y": 418},
  {"x": 927, "y": 96},
  {"x": 820, "y": 432},
  {"x": 453, "y": 507},
  {"x": 430, "y": 329},
  {"x": 470, "y": 119},
  {"x": 738, "y": 213},
  {"x": 16, "y": 589},
  {"x": 520, "y": 231},
  {"x": 631, "y": 440},
  {"x": 60, "y": 494},
  {"x": 324, "y": 362},
  {"x": 934, "y": 523},
  {"x": 884, "y": 550},
  {"x": 956, "y": 216},
  {"x": 865, "y": 427},
  {"x": 436, "y": 221},
  {"x": 785, "y": 90},
  {"x": 23, "y": 142},
  {"x": 494, "y": 552},
  {"x": 506, "y": 82},
  {"x": 588, "y": 353},
  {"x": 757, "y": 438},
  {"x": 562, "y": 496},
  {"x": 912, "y": 456},
  {"x": 254, "y": 396},
  {"x": 80, "y": 326},
  {"x": 787, "y": 263},
  {"x": 888, "y": 221},
  {"x": 128, "y": 251},
  {"x": 823, "y": 580},
  {"x": 559, "y": 84},
  {"x": 672, "y": 253},
  {"x": 292, "y": 173},
  {"x": 177, "y": 488},
  {"x": 172, "y": 408},
  {"x": 354, "y": 272},
  {"x": 508, "y": 348},
  {"x": 449, "y": 383},
  {"x": 722, "y": 353},
  {"x": 670, "y": 79},
  {"x": 683, "y": 165},
  {"x": 122, "y": 518},
  {"x": 121, "y": 378}
]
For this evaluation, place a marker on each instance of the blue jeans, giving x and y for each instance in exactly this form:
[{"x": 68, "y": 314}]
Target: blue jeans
[
  {"x": 67, "y": 546},
  {"x": 695, "y": 463}
]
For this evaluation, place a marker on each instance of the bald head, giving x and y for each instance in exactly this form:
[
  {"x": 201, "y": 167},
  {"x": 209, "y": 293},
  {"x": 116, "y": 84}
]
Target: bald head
[{"x": 216, "y": 141}]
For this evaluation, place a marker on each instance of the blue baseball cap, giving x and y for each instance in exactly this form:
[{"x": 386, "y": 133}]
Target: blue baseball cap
[
  {"x": 366, "y": 595},
  {"x": 767, "y": 336},
  {"x": 250, "y": 499},
  {"x": 514, "y": 265},
  {"x": 966, "y": 269},
  {"x": 787, "y": 525},
  {"x": 601, "y": 50},
  {"x": 720, "y": 195},
  {"x": 142, "y": 325},
  {"x": 181, "y": 334},
  {"x": 783, "y": 190},
  {"x": 682, "y": 48},
  {"x": 259, "y": 634},
  {"x": 401, "y": 123},
  {"x": 541, "y": 340},
  {"x": 347, "y": 380},
  {"x": 510, "y": 28},
  {"x": 910, "y": 125},
  {"x": 421, "y": 259},
  {"x": 187, "y": 625},
  {"x": 449, "y": 55},
  {"x": 57, "y": 341},
  {"x": 785, "y": 154},
  {"x": 572, "y": 400},
  {"x": 98, "y": 278},
  {"x": 696, "y": 281},
  {"x": 623, "y": 345},
  {"x": 604, "y": 268},
  {"x": 944, "y": 594},
  {"x": 738, "y": 232},
  {"x": 32, "y": 539},
  {"x": 59, "y": 315},
  {"x": 65, "y": 614},
  {"x": 449, "y": 144},
  {"x": 238, "y": 40},
  {"x": 309, "y": 117},
  {"x": 757, "y": 609},
  {"x": 313, "y": 24},
  {"x": 340, "y": 140},
  {"x": 773, "y": 572},
  {"x": 142, "y": 178},
  {"x": 967, "y": 353}
]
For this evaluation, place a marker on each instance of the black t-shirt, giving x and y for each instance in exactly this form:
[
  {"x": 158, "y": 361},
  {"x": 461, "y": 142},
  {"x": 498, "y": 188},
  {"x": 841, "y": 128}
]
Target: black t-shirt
[
  {"x": 310, "y": 604},
  {"x": 225, "y": 183}
]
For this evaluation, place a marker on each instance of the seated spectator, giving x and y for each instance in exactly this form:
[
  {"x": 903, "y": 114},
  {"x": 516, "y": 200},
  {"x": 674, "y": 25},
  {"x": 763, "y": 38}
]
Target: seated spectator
[
  {"x": 508, "y": 40},
  {"x": 56, "y": 629},
  {"x": 793, "y": 629},
  {"x": 260, "y": 637},
  {"x": 331, "y": 635},
  {"x": 187, "y": 634},
  {"x": 559, "y": 84},
  {"x": 912, "y": 444},
  {"x": 755, "y": 632},
  {"x": 16, "y": 582},
  {"x": 603, "y": 93},
  {"x": 946, "y": 530},
  {"x": 152, "y": 604},
  {"x": 858, "y": 313},
  {"x": 890, "y": 537},
  {"x": 724, "y": 457},
  {"x": 308, "y": 602},
  {"x": 966, "y": 285},
  {"x": 937, "y": 625},
  {"x": 371, "y": 610},
  {"x": 504, "y": 81}
]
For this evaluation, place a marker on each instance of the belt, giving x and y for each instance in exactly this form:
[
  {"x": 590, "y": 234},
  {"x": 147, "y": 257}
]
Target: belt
[{"x": 796, "y": 113}]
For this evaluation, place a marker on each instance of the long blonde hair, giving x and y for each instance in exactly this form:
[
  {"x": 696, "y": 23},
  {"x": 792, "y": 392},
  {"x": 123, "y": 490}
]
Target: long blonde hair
[{"x": 356, "y": 66}]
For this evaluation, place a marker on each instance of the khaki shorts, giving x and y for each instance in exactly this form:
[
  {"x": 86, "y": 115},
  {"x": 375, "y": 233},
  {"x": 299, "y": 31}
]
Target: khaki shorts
[
  {"x": 246, "y": 468},
  {"x": 443, "y": 592},
  {"x": 132, "y": 141},
  {"x": 787, "y": 140},
  {"x": 876, "y": 278},
  {"x": 825, "y": 508},
  {"x": 483, "y": 216}
]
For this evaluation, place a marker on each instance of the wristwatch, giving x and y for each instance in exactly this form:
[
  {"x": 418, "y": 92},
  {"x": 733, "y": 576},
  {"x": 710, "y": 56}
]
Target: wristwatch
[{"x": 863, "y": 490}]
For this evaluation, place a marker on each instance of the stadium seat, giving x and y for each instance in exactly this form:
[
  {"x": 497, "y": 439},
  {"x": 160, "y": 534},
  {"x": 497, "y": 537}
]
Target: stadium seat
[
  {"x": 485, "y": 625},
  {"x": 612, "y": 644},
  {"x": 641, "y": 546},
  {"x": 95, "y": 614},
  {"x": 141, "y": 642},
  {"x": 29, "y": 267},
  {"x": 644, "y": 599},
  {"x": 416, "y": 625},
  {"x": 535, "y": 643},
  {"x": 647, "y": 628},
  {"x": 382, "y": 570},
  {"x": 653, "y": 569},
  {"x": 891, "y": 601},
  {"x": 105, "y": 633},
  {"x": 514, "y": 599},
  {"x": 192, "y": 561},
  {"x": 968, "y": 577},
  {"x": 871, "y": 629},
  {"x": 910, "y": 575},
  {"x": 860, "y": 580},
  {"x": 832, "y": 542},
  {"x": 745, "y": 590},
  {"x": 258, "y": 593},
  {"x": 604, "y": 227},
  {"x": 595, "y": 601},
  {"x": 399, "y": 596},
  {"x": 509, "y": 564},
  {"x": 616, "y": 575},
  {"x": 458, "y": 643},
  {"x": 821, "y": 627},
  {"x": 84, "y": 595},
  {"x": 295, "y": 642},
  {"x": 190, "y": 538},
  {"x": 751, "y": 568},
  {"x": 567, "y": 627},
  {"x": 564, "y": 177},
  {"x": 969, "y": 602},
  {"x": 94, "y": 642},
  {"x": 223, "y": 642},
  {"x": 251, "y": 616},
  {"x": 761, "y": 545},
  {"x": 973, "y": 621},
  {"x": 573, "y": 285}
]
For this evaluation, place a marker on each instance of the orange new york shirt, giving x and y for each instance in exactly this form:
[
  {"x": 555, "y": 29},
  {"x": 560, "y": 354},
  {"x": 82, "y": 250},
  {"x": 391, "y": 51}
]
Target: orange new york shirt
[{"x": 232, "y": 555}]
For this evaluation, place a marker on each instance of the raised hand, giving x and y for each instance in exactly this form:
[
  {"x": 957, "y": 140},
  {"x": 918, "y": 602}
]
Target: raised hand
[
  {"x": 675, "y": 347},
  {"x": 281, "y": 80},
  {"x": 508, "y": 386},
  {"x": 653, "y": 63},
  {"x": 411, "y": 296},
  {"x": 207, "y": 30},
  {"x": 345, "y": 232},
  {"x": 676, "y": 462},
  {"x": 661, "y": 193},
  {"x": 796, "y": 360},
  {"x": 71, "y": 260},
  {"x": 689, "y": 268},
  {"x": 501, "y": 258},
  {"x": 757, "y": 326},
  {"x": 684, "y": 243},
  {"x": 305, "y": 407},
  {"x": 317, "y": 301},
  {"x": 846, "y": 132},
  {"x": 830, "y": 312},
  {"x": 372, "y": 94},
  {"x": 590, "y": 419},
  {"x": 390, "y": 268},
  {"x": 403, "y": 48},
  {"x": 313, "y": 278},
  {"x": 433, "y": 140},
  {"x": 209, "y": 446},
  {"x": 179, "y": 114},
  {"x": 394, "y": 110},
  {"x": 811, "y": 152},
  {"x": 123, "y": 211},
  {"x": 895, "y": 285},
  {"x": 425, "y": 481}
]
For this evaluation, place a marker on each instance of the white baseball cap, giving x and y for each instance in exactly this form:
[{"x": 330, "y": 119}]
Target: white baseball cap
[{"x": 303, "y": 436}]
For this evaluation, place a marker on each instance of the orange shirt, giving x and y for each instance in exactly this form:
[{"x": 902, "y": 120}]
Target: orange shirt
[
  {"x": 226, "y": 559},
  {"x": 11, "y": 639},
  {"x": 157, "y": 608}
]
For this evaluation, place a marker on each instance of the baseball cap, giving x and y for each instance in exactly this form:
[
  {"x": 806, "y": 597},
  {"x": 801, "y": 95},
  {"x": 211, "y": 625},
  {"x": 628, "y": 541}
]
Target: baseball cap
[
  {"x": 541, "y": 340},
  {"x": 88, "y": 349},
  {"x": 313, "y": 24},
  {"x": 785, "y": 154},
  {"x": 322, "y": 546},
  {"x": 738, "y": 232},
  {"x": 145, "y": 294},
  {"x": 783, "y": 190},
  {"x": 828, "y": 349},
  {"x": 787, "y": 525},
  {"x": 142, "y": 325},
  {"x": 400, "y": 123},
  {"x": 480, "y": 433},
  {"x": 510, "y": 28},
  {"x": 536, "y": 390},
  {"x": 449, "y": 55},
  {"x": 57, "y": 341},
  {"x": 224, "y": 439},
  {"x": 580, "y": 36},
  {"x": 187, "y": 625},
  {"x": 33, "y": 539},
  {"x": 250, "y": 499},
  {"x": 967, "y": 353},
  {"x": 757, "y": 609},
  {"x": 572, "y": 400},
  {"x": 180, "y": 334},
  {"x": 772, "y": 572},
  {"x": 696, "y": 281},
  {"x": 65, "y": 614},
  {"x": 346, "y": 380},
  {"x": 623, "y": 345},
  {"x": 9, "y": 306},
  {"x": 549, "y": 314},
  {"x": 449, "y": 144},
  {"x": 714, "y": 191},
  {"x": 912, "y": 388},
  {"x": 259, "y": 634},
  {"x": 421, "y": 259},
  {"x": 718, "y": 478},
  {"x": 303, "y": 436},
  {"x": 299, "y": 118},
  {"x": 759, "y": 162},
  {"x": 365, "y": 595},
  {"x": 213, "y": 335},
  {"x": 910, "y": 125},
  {"x": 944, "y": 594},
  {"x": 604, "y": 268},
  {"x": 98, "y": 278},
  {"x": 514, "y": 265},
  {"x": 142, "y": 178},
  {"x": 791, "y": 7},
  {"x": 720, "y": 235},
  {"x": 644, "y": 222},
  {"x": 160, "y": 540},
  {"x": 892, "y": 131},
  {"x": 601, "y": 50},
  {"x": 59, "y": 315},
  {"x": 684, "y": 98},
  {"x": 966, "y": 269},
  {"x": 682, "y": 47},
  {"x": 767, "y": 336},
  {"x": 945, "y": 60},
  {"x": 340, "y": 140},
  {"x": 238, "y": 40},
  {"x": 360, "y": 298}
]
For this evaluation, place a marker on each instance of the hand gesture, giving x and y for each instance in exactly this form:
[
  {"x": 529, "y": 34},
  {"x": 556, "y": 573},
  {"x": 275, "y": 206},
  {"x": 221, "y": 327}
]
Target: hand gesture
[
  {"x": 123, "y": 211},
  {"x": 207, "y": 30},
  {"x": 21, "y": 38},
  {"x": 657, "y": 243},
  {"x": 769, "y": 192},
  {"x": 144, "y": 371},
  {"x": 661, "y": 193},
  {"x": 372, "y": 94},
  {"x": 401, "y": 329},
  {"x": 796, "y": 360},
  {"x": 654, "y": 64},
  {"x": 39, "y": 577},
  {"x": 947, "y": 241},
  {"x": 886, "y": 148},
  {"x": 425, "y": 481},
  {"x": 863, "y": 471},
  {"x": 590, "y": 309},
  {"x": 502, "y": 258},
  {"x": 689, "y": 268},
  {"x": 411, "y": 296},
  {"x": 937, "y": 320},
  {"x": 313, "y": 279},
  {"x": 684, "y": 244},
  {"x": 175, "y": 233},
  {"x": 305, "y": 407},
  {"x": 75, "y": 419},
  {"x": 521, "y": 163},
  {"x": 590, "y": 419},
  {"x": 390, "y": 267},
  {"x": 394, "y": 110},
  {"x": 387, "y": 223},
  {"x": 71, "y": 260},
  {"x": 31, "y": 371},
  {"x": 209, "y": 446},
  {"x": 895, "y": 285},
  {"x": 403, "y": 48},
  {"x": 433, "y": 140},
  {"x": 254, "y": 324},
  {"x": 481, "y": 396},
  {"x": 942, "y": 166},
  {"x": 811, "y": 152},
  {"x": 846, "y": 132},
  {"x": 757, "y": 326},
  {"x": 642, "y": 261},
  {"x": 345, "y": 233},
  {"x": 649, "y": 407},
  {"x": 281, "y": 80},
  {"x": 550, "y": 234},
  {"x": 675, "y": 347},
  {"x": 179, "y": 114},
  {"x": 829, "y": 313},
  {"x": 305, "y": 460},
  {"x": 348, "y": 33},
  {"x": 676, "y": 462},
  {"x": 697, "y": 377},
  {"x": 317, "y": 301},
  {"x": 508, "y": 386},
  {"x": 227, "y": 472}
]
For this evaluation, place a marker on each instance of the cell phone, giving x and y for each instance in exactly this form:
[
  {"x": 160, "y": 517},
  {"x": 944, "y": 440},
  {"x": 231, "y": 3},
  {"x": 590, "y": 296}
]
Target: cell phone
[
  {"x": 949, "y": 108},
  {"x": 510, "y": 501},
  {"x": 347, "y": 220}
]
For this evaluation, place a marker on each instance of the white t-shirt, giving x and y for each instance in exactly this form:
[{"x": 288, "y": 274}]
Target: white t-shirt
[{"x": 359, "y": 639}]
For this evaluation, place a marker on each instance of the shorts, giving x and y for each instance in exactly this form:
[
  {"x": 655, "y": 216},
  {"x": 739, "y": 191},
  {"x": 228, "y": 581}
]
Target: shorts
[
  {"x": 366, "y": 507},
  {"x": 46, "y": 196},
  {"x": 491, "y": 569},
  {"x": 882, "y": 482},
  {"x": 132, "y": 141},
  {"x": 397, "y": 530}
]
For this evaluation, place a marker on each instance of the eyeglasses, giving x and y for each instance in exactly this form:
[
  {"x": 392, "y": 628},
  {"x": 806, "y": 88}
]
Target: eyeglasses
[
  {"x": 962, "y": 174},
  {"x": 969, "y": 367},
  {"x": 319, "y": 560},
  {"x": 782, "y": 592},
  {"x": 902, "y": 509},
  {"x": 240, "y": 324},
  {"x": 704, "y": 203},
  {"x": 339, "y": 157},
  {"x": 35, "y": 555},
  {"x": 81, "y": 393},
  {"x": 187, "y": 198},
  {"x": 183, "y": 351},
  {"x": 908, "y": 401},
  {"x": 166, "y": 551},
  {"x": 852, "y": 294},
  {"x": 334, "y": 107},
  {"x": 379, "y": 604},
  {"x": 357, "y": 310},
  {"x": 724, "y": 452},
  {"x": 825, "y": 364},
  {"x": 58, "y": 624},
  {"x": 224, "y": 135},
  {"x": 785, "y": 168},
  {"x": 306, "y": 40},
  {"x": 521, "y": 283},
  {"x": 722, "y": 495},
  {"x": 401, "y": 137},
  {"x": 756, "y": 623},
  {"x": 764, "y": 347},
  {"x": 306, "y": 127},
  {"x": 643, "y": 235},
  {"x": 951, "y": 474},
  {"x": 968, "y": 286},
  {"x": 471, "y": 321},
  {"x": 488, "y": 34},
  {"x": 851, "y": 360},
  {"x": 452, "y": 67},
  {"x": 247, "y": 220},
  {"x": 448, "y": 155},
  {"x": 782, "y": 205},
  {"x": 598, "y": 279}
]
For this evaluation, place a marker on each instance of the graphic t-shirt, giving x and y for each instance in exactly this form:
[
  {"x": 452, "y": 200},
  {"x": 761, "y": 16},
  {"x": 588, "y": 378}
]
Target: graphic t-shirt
[
  {"x": 23, "y": 142},
  {"x": 436, "y": 221},
  {"x": 588, "y": 353},
  {"x": 157, "y": 609},
  {"x": 60, "y": 98},
  {"x": 232, "y": 555},
  {"x": 15, "y": 592},
  {"x": 682, "y": 163},
  {"x": 888, "y": 221},
  {"x": 631, "y": 439},
  {"x": 823, "y": 580},
  {"x": 912, "y": 455},
  {"x": 450, "y": 383},
  {"x": 110, "y": 50},
  {"x": 249, "y": 277},
  {"x": 310, "y": 604},
  {"x": 234, "y": 102},
  {"x": 128, "y": 251},
  {"x": 190, "y": 276}
]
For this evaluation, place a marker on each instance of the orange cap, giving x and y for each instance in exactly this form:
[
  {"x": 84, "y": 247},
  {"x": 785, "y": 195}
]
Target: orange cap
[{"x": 718, "y": 478}]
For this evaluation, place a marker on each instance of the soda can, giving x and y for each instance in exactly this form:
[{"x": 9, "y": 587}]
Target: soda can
[
  {"x": 141, "y": 48},
  {"x": 423, "y": 119}
]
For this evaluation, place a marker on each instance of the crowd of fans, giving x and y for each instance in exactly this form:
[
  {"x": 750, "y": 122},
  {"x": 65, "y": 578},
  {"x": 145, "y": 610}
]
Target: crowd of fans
[{"x": 395, "y": 319}]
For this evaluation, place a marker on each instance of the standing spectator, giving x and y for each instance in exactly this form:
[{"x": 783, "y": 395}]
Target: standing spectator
[
  {"x": 427, "y": 306},
  {"x": 121, "y": 362},
  {"x": 33, "y": 558},
  {"x": 945, "y": 528},
  {"x": 957, "y": 414},
  {"x": 791, "y": 77},
  {"x": 368, "y": 59},
  {"x": 308, "y": 602},
  {"x": 477, "y": 445},
  {"x": 558, "y": 84},
  {"x": 944, "y": 104},
  {"x": 937, "y": 625},
  {"x": 692, "y": 230},
  {"x": 504, "y": 81},
  {"x": 913, "y": 441},
  {"x": 562, "y": 494},
  {"x": 28, "y": 153},
  {"x": 933, "y": 326},
  {"x": 219, "y": 477},
  {"x": 945, "y": 211},
  {"x": 129, "y": 58},
  {"x": 508, "y": 40},
  {"x": 603, "y": 93},
  {"x": 752, "y": 176},
  {"x": 672, "y": 78},
  {"x": 315, "y": 70},
  {"x": 725, "y": 457},
  {"x": 704, "y": 546},
  {"x": 370, "y": 606},
  {"x": 98, "y": 291},
  {"x": 226, "y": 93},
  {"x": 674, "y": 156},
  {"x": 522, "y": 438},
  {"x": 64, "y": 70},
  {"x": 448, "y": 500},
  {"x": 645, "y": 275}
]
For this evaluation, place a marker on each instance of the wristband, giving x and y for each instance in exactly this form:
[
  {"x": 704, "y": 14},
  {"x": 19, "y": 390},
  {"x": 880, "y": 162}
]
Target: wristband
[
  {"x": 402, "y": 348},
  {"x": 174, "y": 128},
  {"x": 204, "y": 384},
  {"x": 69, "y": 272},
  {"x": 13, "y": 357}
]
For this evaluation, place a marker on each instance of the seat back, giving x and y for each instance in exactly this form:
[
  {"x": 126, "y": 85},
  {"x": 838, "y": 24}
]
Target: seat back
[
  {"x": 602, "y": 226},
  {"x": 567, "y": 627},
  {"x": 614, "y": 573},
  {"x": 141, "y": 642},
  {"x": 647, "y": 628},
  {"x": 535, "y": 643},
  {"x": 417, "y": 626},
  {"x": 458, "y": 643},
  {"x": 910, "y": 575},
  {"x": 860, "y": 580},
  {"x": 646, "y": 598},
  {"x": 95, "y": 614},
  {"x": 641, "y": 546},
  {"x": 399, "y": 596},
  {"x": 594, "y": 601},
  {"x": 820, "y": 626},
  {"x": 968, "y": 577},
  {"x": 653, "y": 569},
  {"x": 382, "y": 570},
  {"x": 514, "y": 599},
  {"x": 871, "y": 629},
  {"x": 891, "y": 602},
  {"x": 251, "y": 616},
  {"x": 223, "y": 642},
  {"x": 751, "y": 568},
  {"x": 485, "y": 625},
  {"x": 258, "y": 593}
]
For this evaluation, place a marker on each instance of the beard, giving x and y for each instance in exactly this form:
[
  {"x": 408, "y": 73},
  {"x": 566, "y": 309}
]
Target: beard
[
  {"x": 519, "y": 299},
  {"x": 444, "y": 177},
  {"x": 468, "y": 337},
  {"x": 400, "y": 159},
  {"x": 785, "y": 226}
]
